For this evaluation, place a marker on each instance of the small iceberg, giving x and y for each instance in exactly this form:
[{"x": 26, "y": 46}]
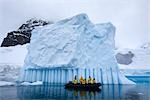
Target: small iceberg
[
  {"x": 32, "y": 83},
  {"x": 4, "y": 83}
]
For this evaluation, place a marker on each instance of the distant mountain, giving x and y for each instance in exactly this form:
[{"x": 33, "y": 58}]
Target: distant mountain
[{"x": 23, "y": 34}]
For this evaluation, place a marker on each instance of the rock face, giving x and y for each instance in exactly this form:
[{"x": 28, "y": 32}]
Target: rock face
[
  {"x": 125, "y": 59},
  {"x": 23, "y": 34}
]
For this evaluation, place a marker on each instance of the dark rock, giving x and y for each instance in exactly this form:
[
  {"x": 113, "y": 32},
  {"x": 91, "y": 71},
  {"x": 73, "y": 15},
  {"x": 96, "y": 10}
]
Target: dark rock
[
  {"x": 23, "y": 34},
  {"x": 125, "y": 59}
]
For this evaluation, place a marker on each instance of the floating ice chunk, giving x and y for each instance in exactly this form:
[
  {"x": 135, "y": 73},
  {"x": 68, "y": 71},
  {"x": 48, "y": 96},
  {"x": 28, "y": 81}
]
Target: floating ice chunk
[
  {"x": 32, "y": 83},
  {"x": 140, "y": 93},
  {"x": 4, "y": 83}
]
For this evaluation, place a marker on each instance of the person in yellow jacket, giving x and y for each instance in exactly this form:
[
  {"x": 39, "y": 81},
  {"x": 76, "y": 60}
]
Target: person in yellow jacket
[
  {"x": 89, "y": 80},
  {"x": 84, "y": 81},
  {"x": 81, "y": 80},
  {"x": 94, "y": 81},
  {"x": 75, "y": 80}
]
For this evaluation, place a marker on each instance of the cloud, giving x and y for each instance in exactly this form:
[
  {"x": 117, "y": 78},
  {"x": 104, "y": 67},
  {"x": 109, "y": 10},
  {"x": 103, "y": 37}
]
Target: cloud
[{"x": 129, "y": 16}]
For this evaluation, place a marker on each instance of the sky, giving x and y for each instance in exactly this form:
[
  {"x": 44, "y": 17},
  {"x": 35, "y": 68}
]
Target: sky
[{"x": 130, "y": 17}]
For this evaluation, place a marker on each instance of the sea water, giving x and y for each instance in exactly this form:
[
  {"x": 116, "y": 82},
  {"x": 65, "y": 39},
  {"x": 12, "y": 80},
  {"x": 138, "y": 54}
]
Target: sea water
[{"x": 140, "y": 91}]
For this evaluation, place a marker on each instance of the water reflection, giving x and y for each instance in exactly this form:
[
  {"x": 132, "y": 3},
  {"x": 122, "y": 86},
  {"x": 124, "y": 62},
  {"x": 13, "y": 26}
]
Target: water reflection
[
  {"x": 108, "y": 92},
  {"x": 83, "y": 93}
]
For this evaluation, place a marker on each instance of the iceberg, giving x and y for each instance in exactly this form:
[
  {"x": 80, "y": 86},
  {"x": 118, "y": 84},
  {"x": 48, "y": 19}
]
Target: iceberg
[
  {"x": 73, "y": 46},
  {"x": 5, "y": 83},
  {"x": 34, "y": 83}
]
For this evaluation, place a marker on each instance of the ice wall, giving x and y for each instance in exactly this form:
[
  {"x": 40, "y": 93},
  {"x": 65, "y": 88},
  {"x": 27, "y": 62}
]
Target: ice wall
[
  {"x": 74, "y": 43},
  {"x": 64, "y": 75}
]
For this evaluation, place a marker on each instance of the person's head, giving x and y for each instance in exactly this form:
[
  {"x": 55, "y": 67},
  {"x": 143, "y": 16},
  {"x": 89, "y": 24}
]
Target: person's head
[
  {"x": 93, "y": 78},
  {"x": 75, "y": 76},
  {"x": 89, "y": 76}
]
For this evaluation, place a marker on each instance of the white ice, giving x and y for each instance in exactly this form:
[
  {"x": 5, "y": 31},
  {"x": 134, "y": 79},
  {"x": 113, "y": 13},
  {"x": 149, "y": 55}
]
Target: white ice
[
  {"x": 32, "y": 83},
  {"x": 11, "y": 61},
  {"x": 5, "y": 83}
]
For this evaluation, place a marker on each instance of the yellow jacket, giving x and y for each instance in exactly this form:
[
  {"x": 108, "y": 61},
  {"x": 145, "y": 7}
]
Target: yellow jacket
[
  {"x": 75, "y": 81},
  {"x": 81, "y": 80},
  {"x": 89, "y": 80},
  {"x": 84, "y": 81},
  {"x": 94, "y": 81}
]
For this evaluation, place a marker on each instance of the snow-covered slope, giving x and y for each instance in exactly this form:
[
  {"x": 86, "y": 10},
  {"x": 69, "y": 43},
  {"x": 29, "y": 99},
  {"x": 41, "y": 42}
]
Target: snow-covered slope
[
  {"x": 11, "y": 61},
  {"x": 146, "y": 46},
  {"x": 141, "y": 59},
  {"x": 140, "y": 65},
  {"x": 13, "y": 55}
]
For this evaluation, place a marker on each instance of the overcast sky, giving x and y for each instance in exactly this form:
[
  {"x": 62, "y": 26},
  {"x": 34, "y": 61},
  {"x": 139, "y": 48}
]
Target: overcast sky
[{"x": 131, "y": 17}]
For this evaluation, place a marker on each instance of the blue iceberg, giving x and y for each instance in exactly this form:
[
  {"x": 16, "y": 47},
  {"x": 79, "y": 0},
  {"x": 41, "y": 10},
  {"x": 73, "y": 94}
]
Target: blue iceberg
[{"x": 70, "y": 47}]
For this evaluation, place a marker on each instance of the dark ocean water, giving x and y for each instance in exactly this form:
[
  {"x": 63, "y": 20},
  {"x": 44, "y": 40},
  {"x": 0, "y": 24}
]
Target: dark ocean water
[{"x": 140, "y": 91}]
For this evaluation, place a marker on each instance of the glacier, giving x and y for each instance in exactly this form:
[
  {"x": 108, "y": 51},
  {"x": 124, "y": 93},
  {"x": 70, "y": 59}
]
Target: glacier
[{"x": 73, "y": 46}]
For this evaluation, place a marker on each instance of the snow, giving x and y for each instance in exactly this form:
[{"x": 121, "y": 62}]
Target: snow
[
  {"x": 9, "y": 72},
  {"x": 13, "y": 55},
  {"x": 146, "y": 46},
  {"x": 141, "y": 59},
  {"x": 11, "y": 61},
  {"x": 33, "y": 83},
  {"x": 4, "y": 83},
  {"x": 70, "y": 47}
]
